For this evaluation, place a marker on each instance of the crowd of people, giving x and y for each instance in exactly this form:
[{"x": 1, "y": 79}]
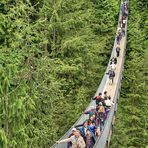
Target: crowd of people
[
  {"x": 119, "y": 36},
  {"x": 85, "y": 134}
]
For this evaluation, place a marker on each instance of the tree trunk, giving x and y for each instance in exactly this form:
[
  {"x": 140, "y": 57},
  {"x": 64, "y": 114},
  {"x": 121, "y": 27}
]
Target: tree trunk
[{"x": 6, "y": 115}]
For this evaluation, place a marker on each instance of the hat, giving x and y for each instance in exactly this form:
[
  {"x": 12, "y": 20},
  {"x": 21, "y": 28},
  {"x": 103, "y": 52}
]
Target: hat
[
  {"x": 74, "y": 129},
  {"x": 100, "y": 103}
]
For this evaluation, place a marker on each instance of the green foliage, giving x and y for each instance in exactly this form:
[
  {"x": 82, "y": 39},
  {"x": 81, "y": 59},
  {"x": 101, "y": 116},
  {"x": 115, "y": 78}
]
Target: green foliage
[
  {"x": 52, "y": 57},
  {"x": 131, "y": 129},
  {"x": 3, "y": 139}
]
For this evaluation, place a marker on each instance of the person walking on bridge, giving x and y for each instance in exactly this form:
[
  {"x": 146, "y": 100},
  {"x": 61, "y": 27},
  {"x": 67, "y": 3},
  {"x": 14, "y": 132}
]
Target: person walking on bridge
[
  {"x": 123, "y": 21},
  {"x": 108, "y": 105},
  {"x": 77, "y": 140},
  {"x": 118, "y": 39},
  {"x": 90, "y": 141},
  {"x": 98, "y": 98},
  {"x": 118, "y": 51},
  {"x": 113, "y": 60},
  {"x": 111, "y": 74},
  {"x": 69, "y": 144},
  {"x": 92, "y": 111},
  {"x": 113, "y": 66},
  {"x": 101, "y": 117}
]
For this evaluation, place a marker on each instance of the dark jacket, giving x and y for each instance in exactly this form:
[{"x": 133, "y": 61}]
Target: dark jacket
[
  {"x": 98, "y": 99},
  {"x": 111, "y": 74}
]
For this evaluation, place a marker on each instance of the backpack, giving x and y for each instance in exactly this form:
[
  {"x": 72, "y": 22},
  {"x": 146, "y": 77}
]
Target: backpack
[
  {"x": 117, "y": 49},
  {"x": 98, "y": 97}
]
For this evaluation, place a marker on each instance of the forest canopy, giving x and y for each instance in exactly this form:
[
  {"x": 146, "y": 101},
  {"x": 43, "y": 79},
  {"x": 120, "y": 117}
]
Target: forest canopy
[{"x": 53, "y": 54}]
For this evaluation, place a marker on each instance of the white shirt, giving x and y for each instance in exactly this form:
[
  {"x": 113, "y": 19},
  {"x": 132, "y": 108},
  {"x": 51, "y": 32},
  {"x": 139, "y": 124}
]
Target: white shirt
[
  {"x": 113, "y": 66},
  {"x": 75, "y": 141},
  {"x": 108, "y": 102},
  {"x": 124, "y": 21}
]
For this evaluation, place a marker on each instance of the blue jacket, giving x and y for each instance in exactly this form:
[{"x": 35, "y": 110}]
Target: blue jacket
[{"x": 91, "y": 128}]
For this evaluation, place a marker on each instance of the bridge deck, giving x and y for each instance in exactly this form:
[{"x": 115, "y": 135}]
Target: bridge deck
[{"x": 112, "y": 88}]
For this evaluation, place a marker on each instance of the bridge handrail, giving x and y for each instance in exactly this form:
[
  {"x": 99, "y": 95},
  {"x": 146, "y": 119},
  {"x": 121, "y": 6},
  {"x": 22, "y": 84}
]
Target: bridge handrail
[{"x": 103, "y": 138}]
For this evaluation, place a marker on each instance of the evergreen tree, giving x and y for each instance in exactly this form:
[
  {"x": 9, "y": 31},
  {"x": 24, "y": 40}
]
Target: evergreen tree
[
  {"x": 52, "y": 56},
  {"x": 131, "y": 129}
]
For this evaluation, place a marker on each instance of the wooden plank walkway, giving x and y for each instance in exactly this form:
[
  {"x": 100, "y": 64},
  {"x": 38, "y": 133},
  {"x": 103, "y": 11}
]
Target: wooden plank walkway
[{"x": 112, "y": 88}]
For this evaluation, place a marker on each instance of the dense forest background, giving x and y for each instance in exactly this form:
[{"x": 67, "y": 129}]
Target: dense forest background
[
  {"x": 131, "y": 127},
  {"x": 53, "y": 54}
]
